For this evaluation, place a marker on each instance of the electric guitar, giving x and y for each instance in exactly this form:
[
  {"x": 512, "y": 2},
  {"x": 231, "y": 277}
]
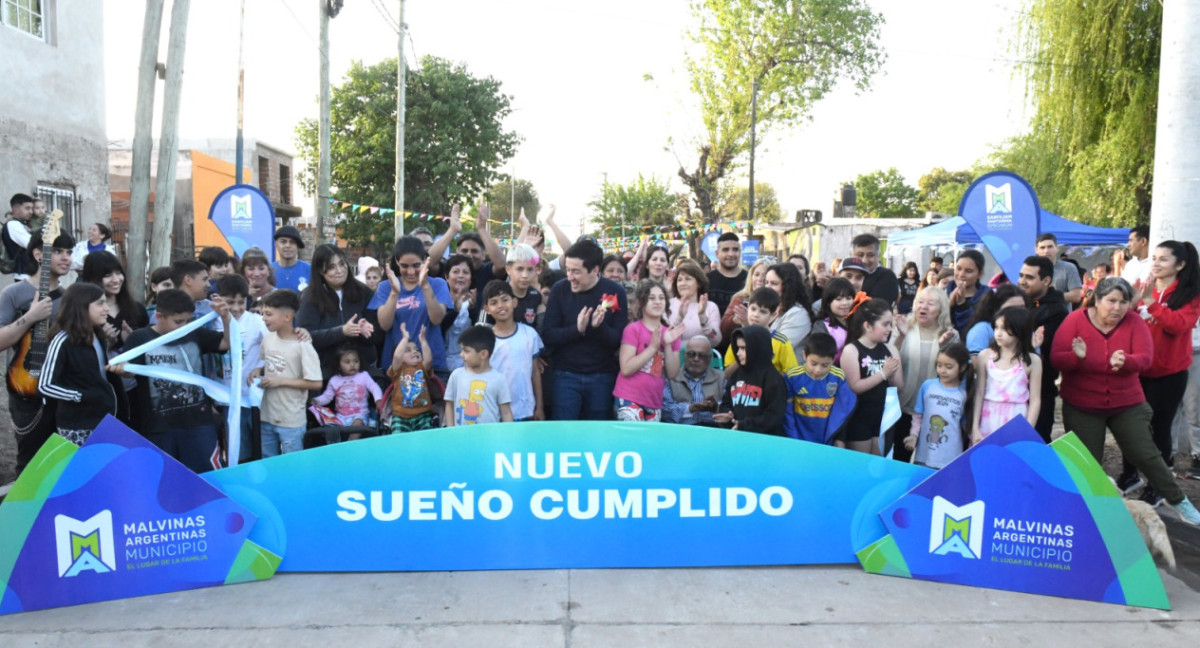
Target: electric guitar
[{"x": 30, "y": 353}]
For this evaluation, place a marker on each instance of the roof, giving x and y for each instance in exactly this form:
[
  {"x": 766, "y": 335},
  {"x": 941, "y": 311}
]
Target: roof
[{"x": 956, "y": 231}]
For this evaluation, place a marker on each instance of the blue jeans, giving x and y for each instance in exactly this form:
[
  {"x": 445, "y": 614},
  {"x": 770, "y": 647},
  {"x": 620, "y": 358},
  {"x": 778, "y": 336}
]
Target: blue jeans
[
  {"x": 194, "y": 447},
  {"x": 582, "y": 397},
  {"x": 276, "y": 439}
]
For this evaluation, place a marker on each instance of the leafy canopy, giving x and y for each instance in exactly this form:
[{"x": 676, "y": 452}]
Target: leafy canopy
[
  {"x": 884, "y": 194},
  {"x": 508, "y": 197},
  {"x": 766, "y": 204},
  {"x": 454, "y": 142},
  {"x": 1093, "y": 76},
  {"x": 941, "y": 190},
  {"x": 643, "y": 203},
  {"x": 795, "y": 50}
]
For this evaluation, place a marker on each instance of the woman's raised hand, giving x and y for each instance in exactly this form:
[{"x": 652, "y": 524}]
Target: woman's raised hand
[
  {"x": 1039, "y": 336},
  {"x": 1117, "y": 360},
  {"x": 957, "y": 297},
  {"x": 423, "y": 277},
  {"x": 393, "y": 280},
  {"x": 351, "y": 328},
  {"x": 671, "y": 335}
]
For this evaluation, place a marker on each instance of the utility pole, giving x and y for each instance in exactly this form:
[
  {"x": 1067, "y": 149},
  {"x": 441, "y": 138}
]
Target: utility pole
[
  {"x": 753, "y": 128},
  {"x": 400, "y": 95},
  {"x": 238, "y": 158},
  {"x": 139, "y": 177},
  {"x": 323, "y": 174},
  {"x": 168, "y": 140},
  {"x": 753, "y": 136},
  {"x": 1176, "y": 159}
]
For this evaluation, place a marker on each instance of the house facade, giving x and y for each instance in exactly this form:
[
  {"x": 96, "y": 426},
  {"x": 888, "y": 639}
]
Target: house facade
[{"x": 52, "y": 122}]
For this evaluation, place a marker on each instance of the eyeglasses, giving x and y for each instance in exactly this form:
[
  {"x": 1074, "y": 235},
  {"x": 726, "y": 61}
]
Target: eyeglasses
[{"x": 696, "y": 354}]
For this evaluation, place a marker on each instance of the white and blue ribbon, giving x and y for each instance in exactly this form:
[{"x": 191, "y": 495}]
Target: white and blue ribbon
[
  {"x": 233, "y": 426},
  {"x": 162, "y": 339},
  {"x": 891, "y": 414},
  {"x": 231, "y": 396},
  {"x": 215, "y": 390}
]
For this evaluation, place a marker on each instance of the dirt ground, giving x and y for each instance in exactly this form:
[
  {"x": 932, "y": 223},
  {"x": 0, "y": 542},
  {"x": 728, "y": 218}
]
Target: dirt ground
[{"x": 8, "y": 443}]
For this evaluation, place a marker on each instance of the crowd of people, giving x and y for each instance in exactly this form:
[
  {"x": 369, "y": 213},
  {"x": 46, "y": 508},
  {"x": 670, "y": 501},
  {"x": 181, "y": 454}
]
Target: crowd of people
[{"x": 427, "y": 339}]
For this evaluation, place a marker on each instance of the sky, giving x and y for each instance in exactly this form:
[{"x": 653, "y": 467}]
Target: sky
[{"x": 577, "y": 73}]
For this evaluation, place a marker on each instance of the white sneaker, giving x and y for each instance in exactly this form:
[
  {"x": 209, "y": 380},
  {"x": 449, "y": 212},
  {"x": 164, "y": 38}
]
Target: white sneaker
[{"x": 1187, "y": 512}]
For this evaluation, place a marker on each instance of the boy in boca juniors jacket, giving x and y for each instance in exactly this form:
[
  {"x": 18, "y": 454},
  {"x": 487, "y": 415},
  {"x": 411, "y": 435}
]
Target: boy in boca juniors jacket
[{"x": 756, "y": 394}]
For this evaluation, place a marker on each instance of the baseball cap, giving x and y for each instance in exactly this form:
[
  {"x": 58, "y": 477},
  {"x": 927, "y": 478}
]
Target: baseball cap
[{"x": 853, "y": 263}]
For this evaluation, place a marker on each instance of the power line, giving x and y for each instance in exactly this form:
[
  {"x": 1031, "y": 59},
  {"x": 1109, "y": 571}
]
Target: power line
[
  {"x": 300, "y": 24},
  {"x": 391, "y": 22}
]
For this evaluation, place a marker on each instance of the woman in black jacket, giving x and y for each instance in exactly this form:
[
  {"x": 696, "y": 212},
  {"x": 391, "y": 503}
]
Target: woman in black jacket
[
  {"x": 73, "y": 373},
  {"x": 333, "y": 309},
  {"x": 125, "y": 316}
]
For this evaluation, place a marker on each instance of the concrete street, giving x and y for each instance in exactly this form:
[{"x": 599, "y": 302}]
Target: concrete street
[{"x": 760, "y": 607}]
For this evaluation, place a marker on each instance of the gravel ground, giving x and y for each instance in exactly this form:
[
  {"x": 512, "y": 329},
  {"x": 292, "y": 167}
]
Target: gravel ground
[{"x": 8, "y": 443}]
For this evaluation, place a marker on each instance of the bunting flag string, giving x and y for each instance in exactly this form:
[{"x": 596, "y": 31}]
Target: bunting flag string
[
  {"x": 342, "y": 206},
  {"x": 678, "y": 233}
]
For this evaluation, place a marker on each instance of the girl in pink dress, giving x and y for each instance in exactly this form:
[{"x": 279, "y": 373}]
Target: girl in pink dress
[
  {"x": 1008, "y": 375},
  {"x": 349, "y": 390}
]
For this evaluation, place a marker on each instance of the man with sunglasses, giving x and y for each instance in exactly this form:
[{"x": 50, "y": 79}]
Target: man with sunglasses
[{"x": 692, "y": 396}]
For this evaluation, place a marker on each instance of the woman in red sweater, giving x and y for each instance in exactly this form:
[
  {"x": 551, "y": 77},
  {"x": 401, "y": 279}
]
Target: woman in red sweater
[
  {"x": 1170, "y": 304},
  {"x": 1100, "y": 351}
]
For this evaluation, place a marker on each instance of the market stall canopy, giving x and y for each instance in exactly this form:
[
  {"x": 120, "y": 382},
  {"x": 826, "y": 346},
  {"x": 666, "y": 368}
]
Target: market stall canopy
[{"x": 955, "y": 231}]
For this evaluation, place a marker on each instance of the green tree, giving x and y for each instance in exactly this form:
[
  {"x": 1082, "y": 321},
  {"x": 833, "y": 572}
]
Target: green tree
[
  {"x": 507, "y": 195},
  {"x": 1092, "y": 72},
  {"x": 793, "y": 51},
  {"x": 643, "y": 203},
  {"x": 455, "y": 142},
  {"x": 942, "y": 190},
  {"x": 766, "y": 204},
  {"x": 884, "y": 194}
]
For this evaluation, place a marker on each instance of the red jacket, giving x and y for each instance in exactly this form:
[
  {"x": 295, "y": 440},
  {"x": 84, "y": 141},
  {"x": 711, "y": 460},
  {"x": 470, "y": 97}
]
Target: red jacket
[
  {"x": 1090, "y": 384},
  {"x": 1172, "y": 332}
]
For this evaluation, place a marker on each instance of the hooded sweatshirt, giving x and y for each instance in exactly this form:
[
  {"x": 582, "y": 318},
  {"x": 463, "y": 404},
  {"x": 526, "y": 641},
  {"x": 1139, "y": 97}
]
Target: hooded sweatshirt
[
  {"x": 756, "y": 393},
  {"x": 1049, "y": 311}
]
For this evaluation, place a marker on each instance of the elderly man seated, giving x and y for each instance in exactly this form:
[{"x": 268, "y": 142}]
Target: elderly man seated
[{"x": 692, "y": 396}]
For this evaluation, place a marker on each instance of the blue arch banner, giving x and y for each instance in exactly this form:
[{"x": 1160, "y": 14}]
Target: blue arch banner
[
  {"x": 538, "y": 496},
  {"x": 118, "y": 517}
]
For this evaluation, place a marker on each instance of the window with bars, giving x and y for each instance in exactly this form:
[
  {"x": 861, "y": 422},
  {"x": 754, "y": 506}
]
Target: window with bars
[
  {"x": 28, "y": 16},
  {"x": 264, "y": 174},
  {"x": 62, "y": 197},
  {"x": 285, "y": 184}
]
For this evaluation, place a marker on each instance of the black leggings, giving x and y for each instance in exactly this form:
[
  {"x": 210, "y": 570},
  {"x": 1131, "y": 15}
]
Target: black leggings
[
  {"x": 33, "y": 424},
  {"x": 1163, "y": 395}
]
